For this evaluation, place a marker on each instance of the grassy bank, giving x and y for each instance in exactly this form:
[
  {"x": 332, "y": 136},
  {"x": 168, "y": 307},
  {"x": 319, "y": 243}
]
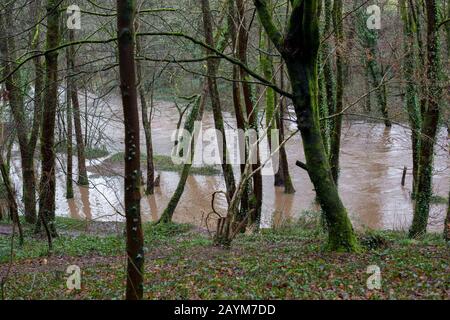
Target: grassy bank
[
  {"x": 89, "y": 152},
  {"x": 165, "y": 163},
  {"x": 181, "y": 262}
]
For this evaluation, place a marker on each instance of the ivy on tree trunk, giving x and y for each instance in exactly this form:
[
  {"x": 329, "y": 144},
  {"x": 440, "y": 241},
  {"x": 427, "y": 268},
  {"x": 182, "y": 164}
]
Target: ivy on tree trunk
[
  {"x": 430, "y": 122},
  {"x": 299, "y": 49}
]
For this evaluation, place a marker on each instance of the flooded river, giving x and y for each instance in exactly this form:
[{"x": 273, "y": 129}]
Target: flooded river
[{"x": 372, "y": 161}]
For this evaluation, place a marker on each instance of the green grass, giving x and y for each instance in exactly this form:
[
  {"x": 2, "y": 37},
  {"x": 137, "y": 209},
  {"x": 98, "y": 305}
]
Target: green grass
[
  {"x": 84, "y": 244},
  {"x": 437, "y": 199},
  {"x": 90, "y": 152},
  {"x": 286, "y": 263},
  {"x": 165, "y": 163},
  {"x": 95, "y": 153}
]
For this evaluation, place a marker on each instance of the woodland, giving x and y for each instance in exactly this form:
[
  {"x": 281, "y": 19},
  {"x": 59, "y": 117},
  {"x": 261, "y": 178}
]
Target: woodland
[{"x": 224, "y": 149}]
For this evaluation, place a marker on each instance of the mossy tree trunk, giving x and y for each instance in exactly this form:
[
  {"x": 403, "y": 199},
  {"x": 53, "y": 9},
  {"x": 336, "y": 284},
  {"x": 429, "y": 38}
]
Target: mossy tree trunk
[
  {"x": 233, "y": 25},
  {"x": 299, "y": 48},
  {"x": 447, "y": 30},
  {"x": 128, "y": 88},
  {"x": 418, "y": 13},
  {"x": 82, "y": 172},
  {"x": 447, "y": 221},
  {"x": 328, "y": 74},
  {"x": 251, "y": 112},
  {"x": 196, "y": 114},
  {"x": 12, "y": 203},
  {"x": 430, "y": 124},
  {"x": 369, "y": 42},
  {"x": 271, "y": 114},
  {"x": 27, "y": 132},
  {"x": 69, "y": 146},
  {"x": 335, "y": 145},
  {"x": 324, "y": 56},
  {"x": 146, "y": 123},
  {"x": 48, "y": 182},
  {"x": 284, "y": 164},
  {"x": 411, "y": 95},
  {"x": 212, "y": 67}
]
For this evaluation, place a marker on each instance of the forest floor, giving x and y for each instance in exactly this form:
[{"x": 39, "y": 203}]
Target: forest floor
[{"x": 182, "y": 263}]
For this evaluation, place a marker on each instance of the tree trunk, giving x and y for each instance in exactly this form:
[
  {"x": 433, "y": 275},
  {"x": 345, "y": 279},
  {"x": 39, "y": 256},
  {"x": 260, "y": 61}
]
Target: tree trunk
[
  {"x": 328, "y": 64},
  {"x": 48, "y": 183},
  {"x": 335, "y": 145},
  {"x": 326, "y": 77},
  {"x": 147, "y": 124},
  {"x": 212, "y": 66},
  {"x": 369, "y": 41},
  {"x": 69, "y": 174},
  {"x": 82, "y": 173},
  {"x": 196, "y": 114},
  {"x": 412, "y": 105},
  {"x": 447, "y": 221},
  {"x": 13, "y": 210},
  {"x": 127, "y": 69},
  {"x": 271, "y": 114},
  {"x": 26, "y": 136},
  {"x": 238, "y": 108},
  {"x": 284, "y": 165},
  {"x": 251, "y": 109},
  {"x": 299, "y": 48},
  {"x": 429, "y": 125},
  {"x": 447, "y": 30}
]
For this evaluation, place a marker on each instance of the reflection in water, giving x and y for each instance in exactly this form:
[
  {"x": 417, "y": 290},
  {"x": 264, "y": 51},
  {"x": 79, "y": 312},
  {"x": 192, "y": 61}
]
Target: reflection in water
[
  {"x": 84, "y": 195},
  {"x": 372, "y": 160},
  {"x": 73, "y": 209},
  {"x": 80, "y": 207},
  {"x": 283, "y": 207},
  {"x": 153, "y": 216}
]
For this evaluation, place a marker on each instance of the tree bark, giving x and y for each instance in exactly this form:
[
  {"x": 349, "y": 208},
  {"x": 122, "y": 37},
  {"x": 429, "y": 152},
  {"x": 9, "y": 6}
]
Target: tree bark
[
  {"x": 233, "y": 23},
  {"x": 447, "y": 221},
  {"x": 127, "y": 70},
  {"x": 27, "y": 136},
  {"x": 212, "y": 66},
  {"x": 429, "y": 125},
  {"x": 147, "y": 124},
  {"x": 369, "y": 40},
  {"x": 288, "y": 185},
  {"x": 69, "y": 145},
  {"x": 335, "y": 145},
  {"x": 299, "y": 48},
  {"x": 12, "y": 203},
  {"x": 82, "y": 172},
  {"x": 412, "y": 105},
  {"x": 251, "y": 109},
  {"x": 48, "y": 183},
  {"x": 196, "y": 114}
]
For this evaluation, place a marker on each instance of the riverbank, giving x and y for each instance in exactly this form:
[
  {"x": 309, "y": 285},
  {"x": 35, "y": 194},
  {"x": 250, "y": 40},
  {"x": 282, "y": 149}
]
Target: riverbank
[{"x": 182, "y": 263}]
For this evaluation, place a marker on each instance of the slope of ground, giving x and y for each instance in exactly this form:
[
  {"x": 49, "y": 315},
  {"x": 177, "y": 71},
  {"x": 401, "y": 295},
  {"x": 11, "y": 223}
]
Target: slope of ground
[{"x": 182, "y": 263}]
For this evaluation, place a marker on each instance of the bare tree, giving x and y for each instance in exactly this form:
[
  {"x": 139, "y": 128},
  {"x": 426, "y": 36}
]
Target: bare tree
[
  {"x": 127, "y": 68},
  {"x": 48, "y": 183}
]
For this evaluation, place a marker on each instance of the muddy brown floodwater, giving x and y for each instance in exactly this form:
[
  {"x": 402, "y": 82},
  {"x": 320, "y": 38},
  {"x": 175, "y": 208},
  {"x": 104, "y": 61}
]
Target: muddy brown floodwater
[{"x": 372, "y": 161}]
